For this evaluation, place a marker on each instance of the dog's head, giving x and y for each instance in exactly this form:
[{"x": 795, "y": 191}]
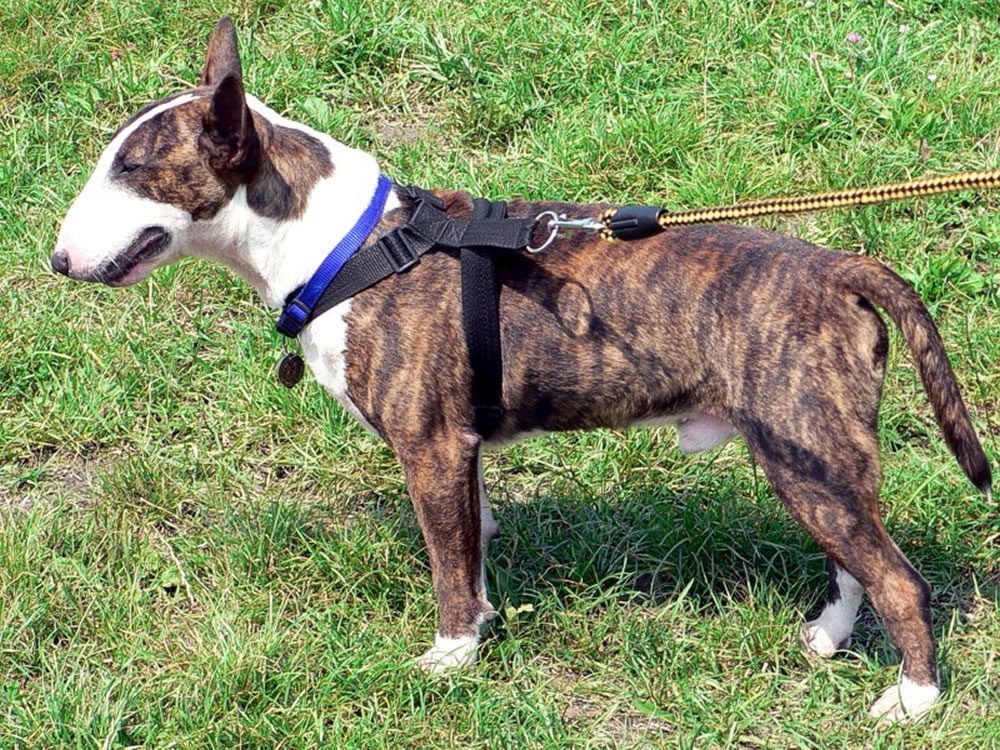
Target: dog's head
[{"x": 167, "y": 175}]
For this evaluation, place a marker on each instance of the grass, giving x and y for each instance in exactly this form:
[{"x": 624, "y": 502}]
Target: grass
[{"x": 191, "y": 556}]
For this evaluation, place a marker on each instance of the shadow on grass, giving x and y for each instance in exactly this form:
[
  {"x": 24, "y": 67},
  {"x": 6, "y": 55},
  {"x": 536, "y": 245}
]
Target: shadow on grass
[
  {"x": 635, "y": 547},
  {"x": 717, "y": 545},
  {"x": 720, "y": 547}
]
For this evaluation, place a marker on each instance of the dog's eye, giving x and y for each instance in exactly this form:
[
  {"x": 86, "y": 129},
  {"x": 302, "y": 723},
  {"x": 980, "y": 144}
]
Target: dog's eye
[{"x": 128, "y": 166}]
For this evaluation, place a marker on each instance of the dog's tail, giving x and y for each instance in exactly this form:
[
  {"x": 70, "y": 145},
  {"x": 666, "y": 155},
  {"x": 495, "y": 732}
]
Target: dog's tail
[{"x": 881, "y": 286}]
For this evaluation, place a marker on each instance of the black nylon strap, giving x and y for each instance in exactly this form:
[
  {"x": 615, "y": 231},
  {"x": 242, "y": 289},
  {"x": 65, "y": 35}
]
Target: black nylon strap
[
  {"x": 393, "y": 253},
  {"x": 499, "y": 233},
  {"x": 429, "y": 227},
  {"x": 481, "y": 320}
]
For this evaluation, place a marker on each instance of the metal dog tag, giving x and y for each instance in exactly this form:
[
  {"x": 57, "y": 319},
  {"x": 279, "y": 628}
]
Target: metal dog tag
[{"x": 290, "y": 369}]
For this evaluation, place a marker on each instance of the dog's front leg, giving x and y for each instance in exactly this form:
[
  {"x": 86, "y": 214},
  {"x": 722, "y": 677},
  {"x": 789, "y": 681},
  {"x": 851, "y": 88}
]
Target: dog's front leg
[{"x": 442, "y": 475}]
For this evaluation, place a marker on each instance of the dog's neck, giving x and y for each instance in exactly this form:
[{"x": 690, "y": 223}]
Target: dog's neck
[{"x": 276, "y": 257}]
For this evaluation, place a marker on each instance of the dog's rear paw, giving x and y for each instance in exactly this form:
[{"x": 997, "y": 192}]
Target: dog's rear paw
[
  {"x": 904, "y": 702},
  {"x": 448, "y": 654},
  {"x": 819, "y": 641}
]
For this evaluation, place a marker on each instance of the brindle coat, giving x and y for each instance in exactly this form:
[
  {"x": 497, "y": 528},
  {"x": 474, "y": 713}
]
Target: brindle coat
[{"x": 776, "y": 337}]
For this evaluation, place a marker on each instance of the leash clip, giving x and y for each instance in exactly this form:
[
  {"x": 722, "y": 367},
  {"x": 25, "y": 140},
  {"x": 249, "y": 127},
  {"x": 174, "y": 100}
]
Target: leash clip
[
  {"x": 588, "y": 224},
  {"x": 559, "y": 221}
]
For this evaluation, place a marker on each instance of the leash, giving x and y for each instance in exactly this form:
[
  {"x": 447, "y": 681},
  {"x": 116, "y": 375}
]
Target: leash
[{"x": 637, "y": 222}]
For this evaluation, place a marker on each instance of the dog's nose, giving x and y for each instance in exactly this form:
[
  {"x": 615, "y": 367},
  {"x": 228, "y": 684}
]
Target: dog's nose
[{"x": 60, "y": 262}]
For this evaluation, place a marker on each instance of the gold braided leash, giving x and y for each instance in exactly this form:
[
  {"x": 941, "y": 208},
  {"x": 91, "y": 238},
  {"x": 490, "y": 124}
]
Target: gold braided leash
[{"x": 835, "y": 199}]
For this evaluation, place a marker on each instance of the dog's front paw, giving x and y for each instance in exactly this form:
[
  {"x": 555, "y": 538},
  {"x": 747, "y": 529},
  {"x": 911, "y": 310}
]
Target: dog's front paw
[
  {"x": 449, "y": 653},
  {"x": 906, "y": 701},
  {"x": 819, "y": 641}
]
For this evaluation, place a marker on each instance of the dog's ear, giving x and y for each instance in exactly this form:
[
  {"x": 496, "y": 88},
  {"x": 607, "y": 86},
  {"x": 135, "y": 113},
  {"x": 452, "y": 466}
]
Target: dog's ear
[
  {"x": 229, "y": 137},
  {"x": 223, "y": 57}
]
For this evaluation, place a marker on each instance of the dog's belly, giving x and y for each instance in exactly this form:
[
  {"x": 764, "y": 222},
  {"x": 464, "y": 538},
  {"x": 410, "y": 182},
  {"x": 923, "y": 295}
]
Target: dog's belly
[
  {"x": 696, "y": 431},
  {"x": 324, "y": 343},
  {"x": 702, "y": 432}
]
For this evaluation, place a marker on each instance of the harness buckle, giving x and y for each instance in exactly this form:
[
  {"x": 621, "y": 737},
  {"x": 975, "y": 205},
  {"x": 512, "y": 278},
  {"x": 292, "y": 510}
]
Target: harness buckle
[
  {"x": 292, "y": 318},
  {"x": 397, "y": 251},
  {"x": 419, "y": 195}
]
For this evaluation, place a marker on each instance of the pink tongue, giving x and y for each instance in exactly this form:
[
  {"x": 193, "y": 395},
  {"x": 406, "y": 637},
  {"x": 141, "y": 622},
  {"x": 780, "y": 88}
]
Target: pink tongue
[{"x": 138, "y": 273}]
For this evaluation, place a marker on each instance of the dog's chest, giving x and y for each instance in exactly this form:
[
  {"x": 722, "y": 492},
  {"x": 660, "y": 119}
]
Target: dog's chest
[{"x": 324, "y": 348}]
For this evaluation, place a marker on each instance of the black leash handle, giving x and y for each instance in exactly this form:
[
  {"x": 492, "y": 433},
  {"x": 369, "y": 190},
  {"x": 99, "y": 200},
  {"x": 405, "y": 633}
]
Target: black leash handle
[{"x": 633, "y": 222}]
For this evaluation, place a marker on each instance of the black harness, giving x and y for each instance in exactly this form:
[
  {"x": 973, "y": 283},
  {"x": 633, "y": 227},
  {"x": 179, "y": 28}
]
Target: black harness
[{"x": 480, "y": 240}]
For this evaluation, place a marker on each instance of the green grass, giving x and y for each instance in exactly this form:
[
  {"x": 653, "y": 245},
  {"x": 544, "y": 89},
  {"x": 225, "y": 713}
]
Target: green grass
[{"x": 191, "y": 556}]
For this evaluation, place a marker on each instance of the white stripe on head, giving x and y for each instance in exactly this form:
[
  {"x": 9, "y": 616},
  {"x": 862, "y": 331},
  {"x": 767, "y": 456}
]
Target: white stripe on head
[{"x": 107, "y": 157}]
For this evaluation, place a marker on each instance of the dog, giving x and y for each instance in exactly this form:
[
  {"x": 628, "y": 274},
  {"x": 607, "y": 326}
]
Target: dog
[{"x": 721, "y": 330}]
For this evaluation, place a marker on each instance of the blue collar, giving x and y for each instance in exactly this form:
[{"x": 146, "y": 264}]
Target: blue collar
[{"x": 296, "y": 312}]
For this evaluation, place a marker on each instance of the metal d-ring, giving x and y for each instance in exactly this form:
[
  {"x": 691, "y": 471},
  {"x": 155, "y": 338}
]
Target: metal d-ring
[
  {"x": 559, "y": 221},
  {"x": 552, "y": 235}
]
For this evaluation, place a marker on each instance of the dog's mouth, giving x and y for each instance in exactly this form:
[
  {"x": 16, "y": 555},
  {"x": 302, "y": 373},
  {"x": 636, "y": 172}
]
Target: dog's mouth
[{"x": 136, "y": 261}]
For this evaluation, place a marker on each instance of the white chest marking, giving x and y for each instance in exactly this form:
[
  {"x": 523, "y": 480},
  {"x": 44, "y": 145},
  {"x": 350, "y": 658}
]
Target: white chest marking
[
  {"x": 324, "y": 342},
  {"x": 324, "y": 347}
]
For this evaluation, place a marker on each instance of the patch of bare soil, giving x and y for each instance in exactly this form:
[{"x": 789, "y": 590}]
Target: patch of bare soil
[
  {"x": 606, "y": 718},
  {"x": 50, "y": 475}
]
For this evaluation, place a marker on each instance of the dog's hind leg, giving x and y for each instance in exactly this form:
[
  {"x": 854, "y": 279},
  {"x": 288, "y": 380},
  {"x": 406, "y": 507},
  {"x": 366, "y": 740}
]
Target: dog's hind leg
[
  {"x": 829, "y": 480},
  {"x": 442, "y": 475},
  {"x": 831, "y": 631}
]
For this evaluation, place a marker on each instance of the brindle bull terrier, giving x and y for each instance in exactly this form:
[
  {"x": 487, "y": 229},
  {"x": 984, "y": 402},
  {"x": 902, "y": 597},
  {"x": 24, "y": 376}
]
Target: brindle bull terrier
[{"x": 723, "y": 330}]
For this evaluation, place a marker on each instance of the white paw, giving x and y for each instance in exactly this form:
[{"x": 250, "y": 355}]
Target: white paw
[
  {"x": 819, "y": 641},
  {"x": 449, "y": 653},
  {"x": 906, "y": 701}
]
